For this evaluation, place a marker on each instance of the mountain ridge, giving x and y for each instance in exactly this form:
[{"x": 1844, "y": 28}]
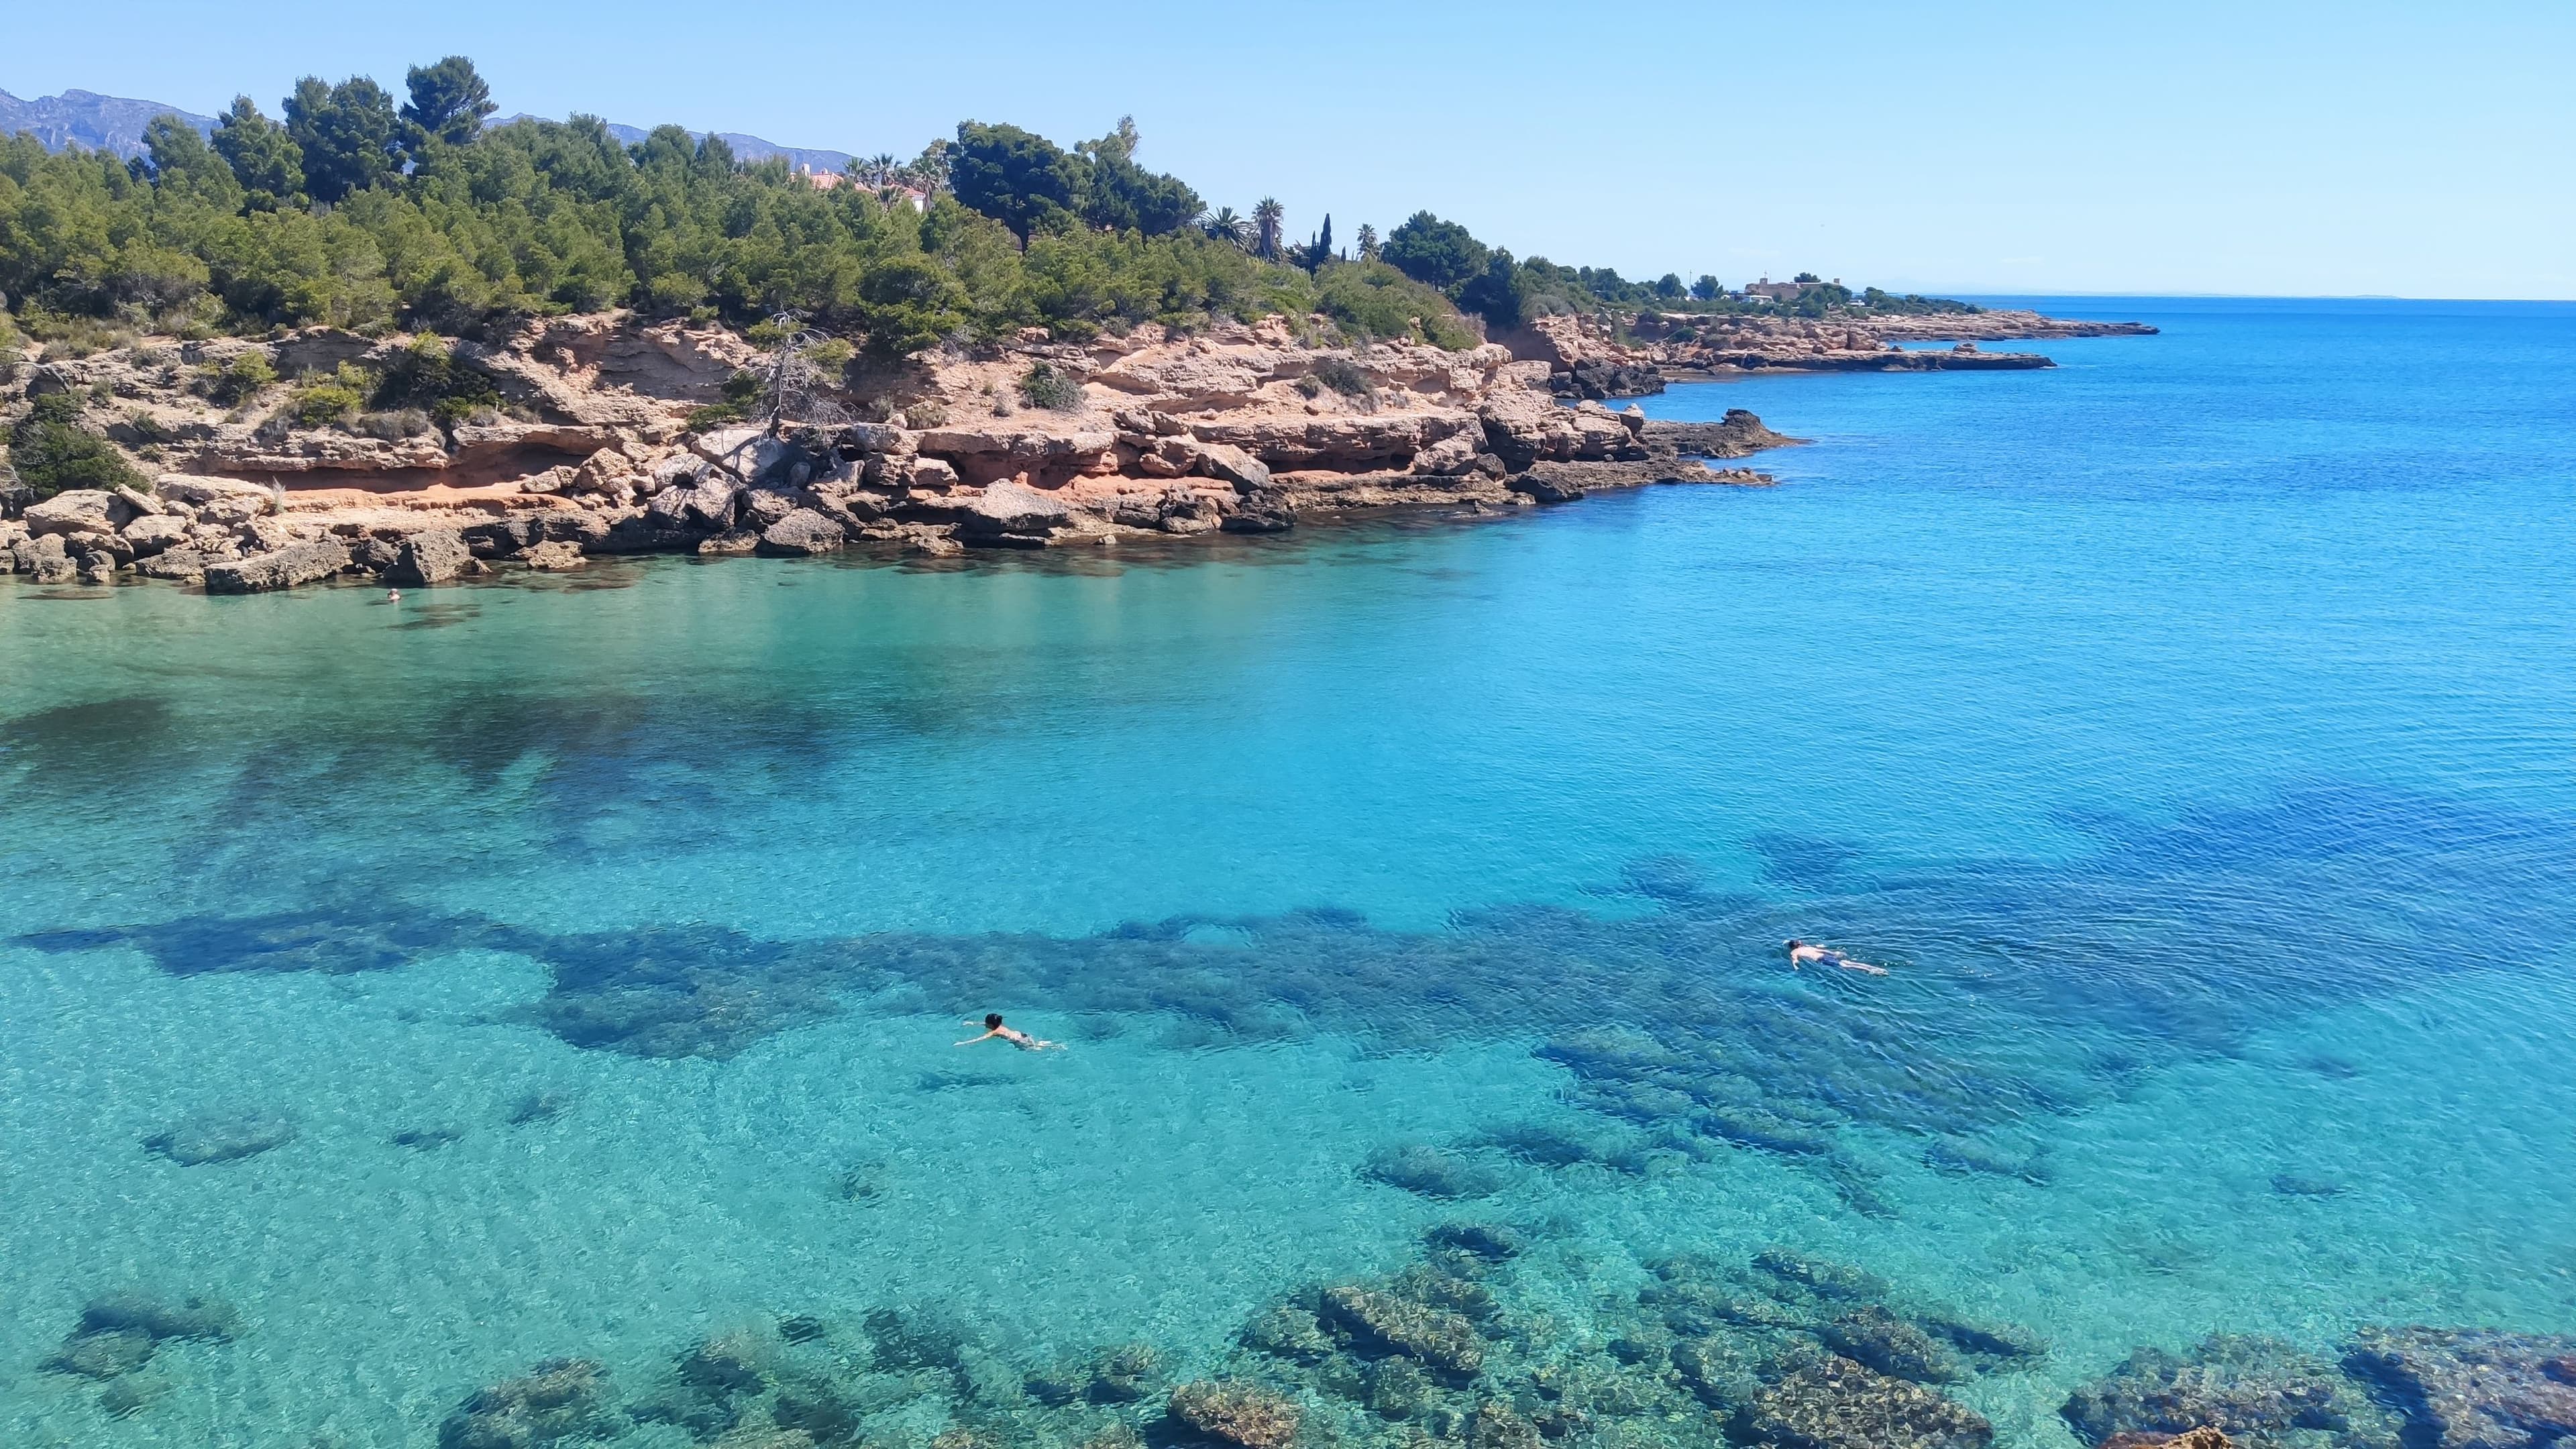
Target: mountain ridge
[{"x": 115, "y": 124}]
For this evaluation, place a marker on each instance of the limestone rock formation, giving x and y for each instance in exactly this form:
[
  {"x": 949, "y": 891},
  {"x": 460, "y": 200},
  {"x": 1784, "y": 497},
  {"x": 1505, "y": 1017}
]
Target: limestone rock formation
[
  {"x": 1239, "y": 428},
  {"x": 435, "y": 556},
  {"x": 284, "y": 568}
]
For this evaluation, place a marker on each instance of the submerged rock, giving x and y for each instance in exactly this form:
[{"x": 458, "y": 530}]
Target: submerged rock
[
  {"x": 556, "y": 1402},
  {"x": 103, "y": 1355},
  {"x": 2260, "y": 1391},
  {"x": 1435, "y": 1172},
  {"x": 118, "y": 1333},
  {"x": 191, "y": 1317},
  {"x": 1838, "y": 1404},
  {"x": 1995, "y": 1343},
  {"x": 1385, "y": 1323},
  {"x": 1291, "y": 1333},
  {"x": 1492, "y": 1242},
  {"x": 1874, "y": 1337},
  {"x": 1718, "y": 1371},
  {"x": 2203, "y": 1438},
  {"x": 2472, "y": 1388},
  {"x": 221, "y": 1137},
  {"x": 1823, "y": 1277},
  {"x": 1237, "y": 1413}
]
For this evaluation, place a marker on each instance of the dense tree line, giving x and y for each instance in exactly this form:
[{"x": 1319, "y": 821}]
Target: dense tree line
[{"x": 354, "y": 211}]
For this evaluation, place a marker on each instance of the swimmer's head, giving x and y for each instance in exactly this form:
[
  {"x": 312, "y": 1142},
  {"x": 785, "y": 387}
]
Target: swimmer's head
[
  {"x": 1795, "y": 943},
  {"x": 992, "y": 1019}
]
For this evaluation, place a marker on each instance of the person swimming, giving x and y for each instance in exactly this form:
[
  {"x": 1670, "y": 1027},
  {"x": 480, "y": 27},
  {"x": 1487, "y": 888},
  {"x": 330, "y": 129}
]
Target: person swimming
[
  {"x": 993, "y": 1027},
  {"x": 1800, "y": 953}
]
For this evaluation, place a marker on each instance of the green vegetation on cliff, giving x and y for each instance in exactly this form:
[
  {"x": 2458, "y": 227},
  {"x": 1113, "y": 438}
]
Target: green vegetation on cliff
[{"x": 358, "y": 212}]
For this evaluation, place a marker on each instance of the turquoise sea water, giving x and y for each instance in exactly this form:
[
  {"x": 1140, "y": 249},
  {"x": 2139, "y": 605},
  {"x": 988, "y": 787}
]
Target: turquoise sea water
[{"x": 2191, "y": 729}]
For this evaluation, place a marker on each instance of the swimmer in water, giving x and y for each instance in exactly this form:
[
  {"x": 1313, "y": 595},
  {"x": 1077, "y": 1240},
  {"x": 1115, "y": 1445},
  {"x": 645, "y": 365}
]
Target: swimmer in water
[
  {"x": 393, "y": 596},
  {"x": 1800, "y": 953},
  {"x": 993, "y": 1027}
]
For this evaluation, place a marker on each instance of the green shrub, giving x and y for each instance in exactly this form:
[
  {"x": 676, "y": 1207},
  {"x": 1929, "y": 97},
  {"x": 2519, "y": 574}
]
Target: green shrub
[
  {"x": 714, "y": 415},
  {"x": 1047, "y": 388},
  {"x": 52, "y": 452},
  {"x": 322, "y": 399},
  {"x": 393, "y": 426},
  {"x": 426, "y": 377},
  {"x": 1371, "y": 299},
  {"x": 318, "y": 405},
  {"x": 1345, "y": 377},
  {"x": 230, "y": 384}
]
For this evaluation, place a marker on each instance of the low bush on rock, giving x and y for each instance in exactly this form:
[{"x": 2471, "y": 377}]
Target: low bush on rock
[
  {"x": 52, "y": 452},
  {"x": 236, "y": 382},
  {"x": 426, "y": 377},
  {"x": 1047, "y": 388}
]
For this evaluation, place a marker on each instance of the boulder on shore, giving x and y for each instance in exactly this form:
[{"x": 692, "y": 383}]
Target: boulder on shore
[
  {"x": 555, "y": 555},
  {"x": 434, "y": 557},
  {"x": 300, "y": 563},
  {"x": 1010, "y": 512},
  {"x": 802, "y": 531},
  {"x": 77, "y": 510}
]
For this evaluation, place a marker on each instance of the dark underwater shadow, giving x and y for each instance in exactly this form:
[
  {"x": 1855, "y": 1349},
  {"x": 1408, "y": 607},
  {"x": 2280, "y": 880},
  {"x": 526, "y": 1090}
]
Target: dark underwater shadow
[{"x": 2020, "y": 989}]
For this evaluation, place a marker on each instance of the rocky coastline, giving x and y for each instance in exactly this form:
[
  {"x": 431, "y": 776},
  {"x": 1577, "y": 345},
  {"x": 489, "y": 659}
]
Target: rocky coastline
[
  {"x": 597, "y": 441},
  {"x": 1587, "y": 361},
  {"x": 607, "y": 433}
]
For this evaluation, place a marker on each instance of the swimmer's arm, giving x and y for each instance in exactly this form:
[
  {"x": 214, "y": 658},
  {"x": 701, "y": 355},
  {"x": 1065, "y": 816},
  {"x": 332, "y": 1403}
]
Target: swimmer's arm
[{"x": 970, "y": 1041}]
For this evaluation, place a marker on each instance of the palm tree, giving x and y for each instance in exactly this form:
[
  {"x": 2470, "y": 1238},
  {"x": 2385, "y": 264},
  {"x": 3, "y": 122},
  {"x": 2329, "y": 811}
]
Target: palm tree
[
  {"x": 1266, "y": 218},
  {"x": 1225, "y": 226},
  {"x": 881, "y": 169},
  {"x": 1368, "y": 242}
]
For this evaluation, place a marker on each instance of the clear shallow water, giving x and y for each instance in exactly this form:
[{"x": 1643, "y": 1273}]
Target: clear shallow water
[{"x": 2193, "y": 728}]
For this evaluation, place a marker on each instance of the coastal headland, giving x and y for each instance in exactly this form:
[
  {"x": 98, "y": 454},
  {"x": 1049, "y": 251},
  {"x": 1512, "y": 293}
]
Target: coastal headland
[
  {"x": 597, "y": 439},
  {"x": 247, "y": 355},
  {"x": 591, "y": 451}
]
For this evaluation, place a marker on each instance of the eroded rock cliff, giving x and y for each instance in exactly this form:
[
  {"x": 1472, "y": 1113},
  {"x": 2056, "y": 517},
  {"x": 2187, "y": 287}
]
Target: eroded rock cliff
[{"x": 592, "y": 435}]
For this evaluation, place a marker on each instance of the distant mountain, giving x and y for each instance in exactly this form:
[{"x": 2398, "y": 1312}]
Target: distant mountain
[
  {"x": 745, "y": 148},
  {"x": 109, "y": 123},
  {"x": 96, "y": 122}
]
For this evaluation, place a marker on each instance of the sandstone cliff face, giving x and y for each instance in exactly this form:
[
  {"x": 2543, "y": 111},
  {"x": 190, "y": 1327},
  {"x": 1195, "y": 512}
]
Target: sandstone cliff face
[{"x": 1238, "y": 428}]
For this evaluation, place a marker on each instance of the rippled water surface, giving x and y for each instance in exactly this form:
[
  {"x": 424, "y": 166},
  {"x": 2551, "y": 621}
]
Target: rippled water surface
[{"x": 573, "y": 966}]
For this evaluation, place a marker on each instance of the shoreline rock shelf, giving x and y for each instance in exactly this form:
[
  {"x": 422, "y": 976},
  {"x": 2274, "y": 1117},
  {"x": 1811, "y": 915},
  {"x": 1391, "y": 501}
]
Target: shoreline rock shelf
[
  {"x": 590, "y": 449},
  {"x": 1164, "y": 433},
  {"x": 1587, "y": 361}
]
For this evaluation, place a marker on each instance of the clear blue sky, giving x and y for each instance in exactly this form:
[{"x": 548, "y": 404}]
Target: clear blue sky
[{"x": 2418, "y": 150}]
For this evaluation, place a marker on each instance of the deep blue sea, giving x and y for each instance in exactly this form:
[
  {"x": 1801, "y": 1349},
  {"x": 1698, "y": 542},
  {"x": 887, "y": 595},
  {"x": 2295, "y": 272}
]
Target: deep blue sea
[{"x": 2189, "y": 729}]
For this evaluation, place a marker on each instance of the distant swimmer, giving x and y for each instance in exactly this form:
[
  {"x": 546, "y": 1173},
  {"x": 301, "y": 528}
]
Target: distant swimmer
[
  {"x": 993, "y": 1027},
  {"x": 1800, "y": 953},
  {"x": 393, "y": 596}
]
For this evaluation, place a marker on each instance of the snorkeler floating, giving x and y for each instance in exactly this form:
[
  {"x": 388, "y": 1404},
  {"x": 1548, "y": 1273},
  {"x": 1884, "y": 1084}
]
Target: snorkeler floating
[
  {"x": 1801, "y": 953},
  {"x": 993, "y": 1027}
]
